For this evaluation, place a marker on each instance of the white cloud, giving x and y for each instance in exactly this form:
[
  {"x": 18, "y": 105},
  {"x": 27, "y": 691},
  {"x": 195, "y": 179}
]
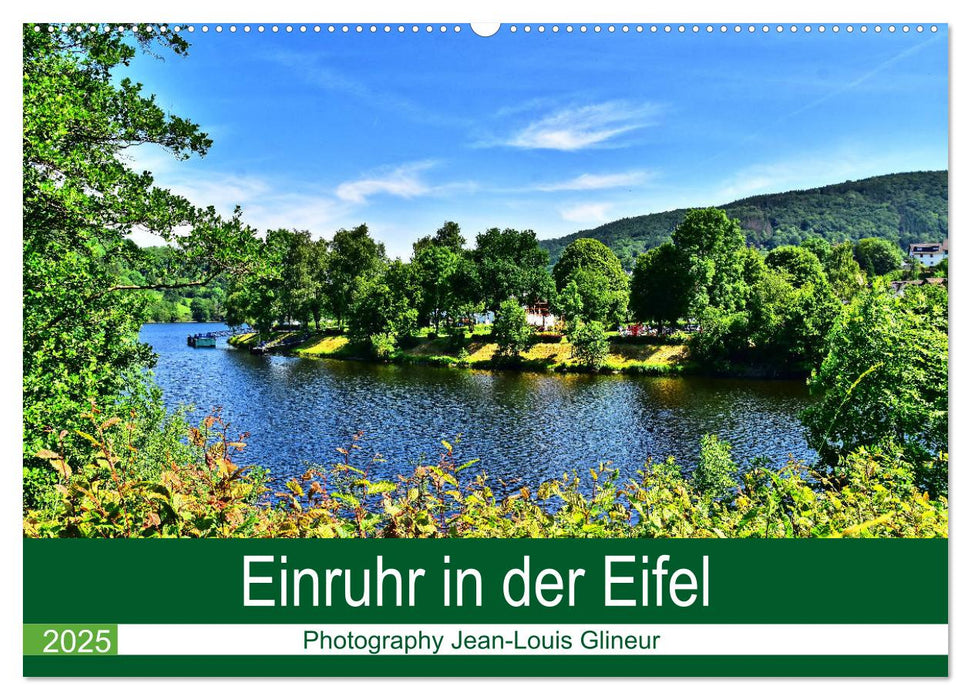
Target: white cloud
[
  {"x": 592, "y": 212},
  {"x": 587, "y": 181},
  {"x": 583, "y": 127},
  {"x": 403, "y": 181}
]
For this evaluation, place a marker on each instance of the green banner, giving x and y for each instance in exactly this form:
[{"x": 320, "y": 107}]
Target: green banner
[
  {"x": 263, "y": 598},
  {"x": 748, "y": 581}
]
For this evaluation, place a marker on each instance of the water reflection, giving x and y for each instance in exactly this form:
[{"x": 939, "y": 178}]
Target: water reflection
[{"x": 529, "y": 425}]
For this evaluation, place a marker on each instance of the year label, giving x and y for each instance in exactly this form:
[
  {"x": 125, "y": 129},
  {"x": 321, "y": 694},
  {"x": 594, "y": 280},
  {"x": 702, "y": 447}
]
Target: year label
[{"x": 42, "y": 640}]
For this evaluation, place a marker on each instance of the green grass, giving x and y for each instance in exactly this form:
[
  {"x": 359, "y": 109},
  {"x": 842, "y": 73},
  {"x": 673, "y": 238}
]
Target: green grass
[{"x": 478, "y": 352}]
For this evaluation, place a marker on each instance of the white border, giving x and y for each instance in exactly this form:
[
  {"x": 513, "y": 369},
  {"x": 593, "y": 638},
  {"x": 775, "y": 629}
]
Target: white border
[{"x": 941, "y": 11}]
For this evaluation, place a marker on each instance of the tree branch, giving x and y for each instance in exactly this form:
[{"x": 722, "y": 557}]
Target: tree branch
[{"x": 173, "y": 285}]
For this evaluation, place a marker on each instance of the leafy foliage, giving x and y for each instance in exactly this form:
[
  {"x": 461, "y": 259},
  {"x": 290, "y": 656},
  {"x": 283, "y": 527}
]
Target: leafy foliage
[
  {"x": 81, "y": 200},
  {"x": 884, "y": 380},
  {"x": 712, "y": 246},
  {"x": 353, "y": 255},
  {"x": 590, "y": 345},
  {"x": 871, "y": 495},
  {"x": 660, "y": 288},
  {"x": 800, "y": 264},
  {"x": 877, "y": 256},
  {"x": 510, "y": 263},
  {"x": 598, "y": 285},
  {"x": 380, "y": 305},
  {"x": 511, "y": 331}
]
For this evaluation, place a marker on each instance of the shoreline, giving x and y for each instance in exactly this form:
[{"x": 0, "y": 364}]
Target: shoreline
[{"x": 629, "y": 357}]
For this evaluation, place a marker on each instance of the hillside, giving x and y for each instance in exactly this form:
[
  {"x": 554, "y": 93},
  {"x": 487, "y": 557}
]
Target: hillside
[{"x": 904, "y": 208}]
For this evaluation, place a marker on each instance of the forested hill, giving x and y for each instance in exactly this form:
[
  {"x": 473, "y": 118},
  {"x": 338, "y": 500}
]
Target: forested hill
[{"x": 904, "y": 208}]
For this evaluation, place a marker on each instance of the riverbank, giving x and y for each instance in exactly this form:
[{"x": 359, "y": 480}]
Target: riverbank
[{"x": 648, "y": 356}]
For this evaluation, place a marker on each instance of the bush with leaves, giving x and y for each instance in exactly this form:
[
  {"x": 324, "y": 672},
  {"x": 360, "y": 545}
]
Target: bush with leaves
[
  {"x": 715, "y": 475},
  {"x": 884, "y": 380},
  {"x": 589, "y": 342},
  {"x": 510, "y": 330},
  {"x": 870, "y": 493}
]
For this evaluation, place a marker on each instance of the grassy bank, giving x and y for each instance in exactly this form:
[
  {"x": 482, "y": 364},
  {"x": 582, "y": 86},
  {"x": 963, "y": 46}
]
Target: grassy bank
[{"x": 477, "y": 351}]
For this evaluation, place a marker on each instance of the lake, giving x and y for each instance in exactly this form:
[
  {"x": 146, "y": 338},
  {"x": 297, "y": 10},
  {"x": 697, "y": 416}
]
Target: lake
[{"x": 526, "y": 426}]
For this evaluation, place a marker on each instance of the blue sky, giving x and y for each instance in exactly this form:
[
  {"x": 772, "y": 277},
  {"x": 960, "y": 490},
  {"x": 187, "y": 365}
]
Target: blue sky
[{"x": 550, "y": 131}]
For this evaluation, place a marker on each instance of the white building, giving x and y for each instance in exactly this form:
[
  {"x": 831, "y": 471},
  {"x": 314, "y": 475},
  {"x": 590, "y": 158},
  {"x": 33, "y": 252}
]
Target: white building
[{"x": 928, "y": 254}]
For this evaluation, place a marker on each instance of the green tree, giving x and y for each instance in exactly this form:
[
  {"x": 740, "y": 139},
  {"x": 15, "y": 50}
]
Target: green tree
[
  {"x": 884, "y": 380},
  {"x": 877, "y": 256},
  {"x": 660, "y": 288},
  {"x": 788, "y": 325},
  {"x": 510, "y": 330},
  {"x": 448, "y": 236},
  {"x": 434, "y": 269},
  {"x": 712, "y": 244},
  {"x": 381, "y": 311},
  {"x": 598, "y": 280},
  {"x": 510, "y": 263},
  {"x": 590, "y": 344},
  {"x": 799, "y": 263},
  {"x": 296, "y": 274},
  {"x": 318, "y": 262},
  {"x": 81, "y": 200},
  {"x": 818, "y": 246},
  {"x": 353, "y": 255},
  {"x": 201, "y": 310},
  {"x": 843, "y": 272}
]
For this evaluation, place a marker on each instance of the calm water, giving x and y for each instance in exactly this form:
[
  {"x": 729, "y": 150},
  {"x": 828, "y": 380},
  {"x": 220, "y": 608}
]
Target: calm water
[{"x": 532, "y": 426}]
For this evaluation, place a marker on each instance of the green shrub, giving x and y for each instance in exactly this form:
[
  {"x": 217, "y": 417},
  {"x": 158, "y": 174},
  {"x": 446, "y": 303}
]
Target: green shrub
[
  {"x": 590, "y": 344},
  {"x": 870, "y": 494},
  {"x": 510, "y": 331},
  {"x": 715, "y": 474}
]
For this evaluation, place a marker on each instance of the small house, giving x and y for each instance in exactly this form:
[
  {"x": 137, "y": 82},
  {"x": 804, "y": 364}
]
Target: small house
[{"x": 928, "y": 254}]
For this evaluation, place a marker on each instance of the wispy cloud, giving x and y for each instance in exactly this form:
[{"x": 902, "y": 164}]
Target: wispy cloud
[
  {"x": 591, "y": 212},
  {"x": 588, "y": 126},
  {"x": 403, "y": 181},
  {"x": 587, "y": 181},
  {"x": 319, "y": 71}
]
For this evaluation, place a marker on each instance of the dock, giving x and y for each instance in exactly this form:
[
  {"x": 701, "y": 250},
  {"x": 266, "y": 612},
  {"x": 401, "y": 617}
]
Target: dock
[{"x": 208, "y": 340}]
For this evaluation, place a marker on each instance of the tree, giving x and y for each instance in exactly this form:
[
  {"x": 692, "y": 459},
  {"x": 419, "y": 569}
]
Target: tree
[
  {"x": 712, "y": 245},
  {"x": 448, "y": 236},
  {"x": 844, "y": 274},
  {"x": 589, "y": 254},
  {"x": 789, "y": 325},
  {"x": 433, "y": 269},
  {"x": 660, "y": 289},
  {"x": 590, "y": 344},
  {"x": 510, "y": 330},
  {"x": 884, "y": 380},
  {"x": 800, "y": 263},
  {"x": 201, "y": 310},
  {"x": 511, "y": 264},
  {"x": 81, "y": 200},
  {"x": 599, "y": 282},
  {"x": 318, "y": 262},
  {"x": 877, "y": 256},
  {"x": 353, "y": 254},
  {"x": 818, "y": 246},
  {"x": 297, "y": 282},
  {"x": 381, "y": 307}
]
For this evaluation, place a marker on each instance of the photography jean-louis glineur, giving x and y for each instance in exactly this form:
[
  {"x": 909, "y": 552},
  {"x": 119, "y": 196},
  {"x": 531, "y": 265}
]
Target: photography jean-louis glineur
[{"x": 569, "y": 285}]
